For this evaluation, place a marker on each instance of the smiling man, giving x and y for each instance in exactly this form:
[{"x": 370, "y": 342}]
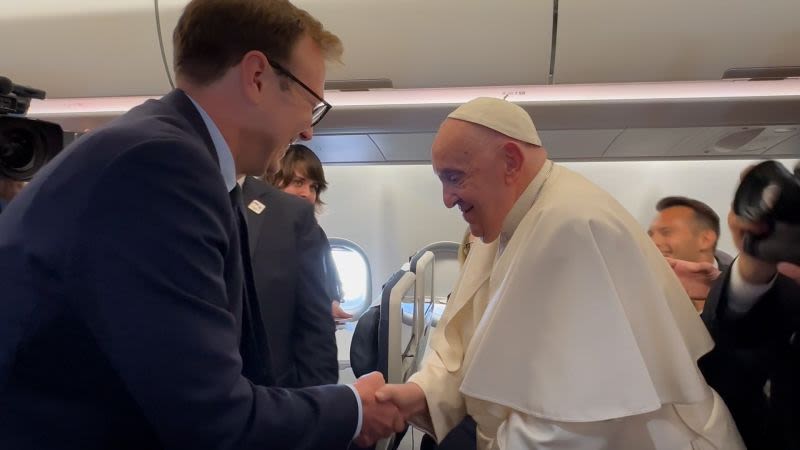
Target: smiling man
[
  {"x": 568, "y": 330},
  {"x": 687, "y": 229},
  {"x": 128, "y": 314}
]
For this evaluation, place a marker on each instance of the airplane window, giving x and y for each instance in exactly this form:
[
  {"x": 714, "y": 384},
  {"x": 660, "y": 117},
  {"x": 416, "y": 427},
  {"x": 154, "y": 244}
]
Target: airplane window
[{"x": 354, "y": 273}]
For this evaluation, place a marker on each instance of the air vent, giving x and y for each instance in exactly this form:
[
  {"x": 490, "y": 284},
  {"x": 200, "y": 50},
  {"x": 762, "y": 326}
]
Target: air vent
[
  {"x": 752, "y": 139},
  {"x": 738, "y": 141}
]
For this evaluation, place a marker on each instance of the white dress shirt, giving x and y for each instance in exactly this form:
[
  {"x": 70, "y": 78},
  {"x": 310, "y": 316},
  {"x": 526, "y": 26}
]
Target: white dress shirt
[{"x": 743, "y": 295}]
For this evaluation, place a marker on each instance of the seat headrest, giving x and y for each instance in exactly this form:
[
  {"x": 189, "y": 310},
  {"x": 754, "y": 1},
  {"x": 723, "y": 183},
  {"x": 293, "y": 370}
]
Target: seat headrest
[{"x": 364, "y": 346}]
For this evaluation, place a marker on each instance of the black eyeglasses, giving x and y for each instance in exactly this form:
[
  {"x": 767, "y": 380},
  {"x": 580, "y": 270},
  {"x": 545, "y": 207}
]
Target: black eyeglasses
[{"x": 320, "y": 109}]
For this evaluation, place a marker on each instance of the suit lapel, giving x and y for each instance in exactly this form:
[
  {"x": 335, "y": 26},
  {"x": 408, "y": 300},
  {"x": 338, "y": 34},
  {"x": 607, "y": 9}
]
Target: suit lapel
[{"x": 253, "y": 346}]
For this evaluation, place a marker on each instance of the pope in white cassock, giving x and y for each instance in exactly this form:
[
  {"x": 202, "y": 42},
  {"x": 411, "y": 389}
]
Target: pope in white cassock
[{"x": 567, "y": 329}]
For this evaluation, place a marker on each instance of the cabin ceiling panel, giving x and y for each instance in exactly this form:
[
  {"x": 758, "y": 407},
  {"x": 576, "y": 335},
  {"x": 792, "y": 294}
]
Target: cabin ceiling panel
[
  {"x": 88, "y": 48},
  {"x": 648, "y": 142},
  {"x": 676, "y": 40},
  {"x": 744, "y": 141},
  {"x": 789, "y": 148},
  {"x": 349, "y": 148},
  {"x": 577, "y": 144},
  {"x": 405, "y": 147},
  {"x": 442, "y": 43}
]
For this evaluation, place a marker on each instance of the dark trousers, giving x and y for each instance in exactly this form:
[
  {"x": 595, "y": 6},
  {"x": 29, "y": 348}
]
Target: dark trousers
[{"x": 462, "y": 437}]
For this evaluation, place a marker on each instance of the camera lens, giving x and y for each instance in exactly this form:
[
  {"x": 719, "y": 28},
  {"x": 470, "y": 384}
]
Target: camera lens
[
  {"x": 26, "y": 145},
  {"x": 16, "y": 149},
  {"x": 768, "y": 192}
]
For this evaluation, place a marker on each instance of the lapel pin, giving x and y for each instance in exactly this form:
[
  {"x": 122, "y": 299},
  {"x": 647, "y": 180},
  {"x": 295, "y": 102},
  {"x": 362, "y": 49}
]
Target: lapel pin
[{"x": 256, "y": 206}]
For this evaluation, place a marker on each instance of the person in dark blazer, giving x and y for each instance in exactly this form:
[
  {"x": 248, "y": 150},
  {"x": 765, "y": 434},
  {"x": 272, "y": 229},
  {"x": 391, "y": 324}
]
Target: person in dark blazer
[
  {"x": 753, "y": 314},
  {"x": 286, "y": 245},
  {"x": 128, "y": 316},
  {"x": 299, "y": 172}
]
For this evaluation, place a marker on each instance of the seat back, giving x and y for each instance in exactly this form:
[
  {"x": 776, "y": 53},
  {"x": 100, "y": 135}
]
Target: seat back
[
  {"x": 423, "y": 266},
  {"x": 395, "y": 345}
]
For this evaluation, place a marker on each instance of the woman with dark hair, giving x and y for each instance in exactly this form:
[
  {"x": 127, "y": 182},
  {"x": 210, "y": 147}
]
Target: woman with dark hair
[{"x": 300, "y": 173}]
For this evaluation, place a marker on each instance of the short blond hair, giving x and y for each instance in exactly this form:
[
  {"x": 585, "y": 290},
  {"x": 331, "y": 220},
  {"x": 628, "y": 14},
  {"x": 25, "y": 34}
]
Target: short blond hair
[{"x": 214, "y": 35}]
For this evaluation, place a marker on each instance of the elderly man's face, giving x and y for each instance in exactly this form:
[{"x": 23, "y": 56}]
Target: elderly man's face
[{"x": 471, "y": 167}]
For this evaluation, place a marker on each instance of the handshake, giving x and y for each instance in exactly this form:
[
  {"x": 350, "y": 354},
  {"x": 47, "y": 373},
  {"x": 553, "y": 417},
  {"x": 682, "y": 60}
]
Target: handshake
[{"x": 386, "y": 407}]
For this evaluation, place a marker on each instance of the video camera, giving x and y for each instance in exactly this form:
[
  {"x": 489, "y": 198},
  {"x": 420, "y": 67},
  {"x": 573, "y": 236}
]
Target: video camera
[
  {"x": 770, "y": 194},
  {"x": 25, "y": 144}
]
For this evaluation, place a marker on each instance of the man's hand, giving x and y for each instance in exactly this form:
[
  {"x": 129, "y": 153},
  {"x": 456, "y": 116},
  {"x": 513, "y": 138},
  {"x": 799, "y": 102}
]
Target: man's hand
[
  {"x": 409, "y": 398},
  {"x": 696, "y": 277},
  {"x": 751, "y": 269},
  {"x": 380, "y": 419},
  {"x": 339, "y": 314},
  {"x": 790, "y": 270}
]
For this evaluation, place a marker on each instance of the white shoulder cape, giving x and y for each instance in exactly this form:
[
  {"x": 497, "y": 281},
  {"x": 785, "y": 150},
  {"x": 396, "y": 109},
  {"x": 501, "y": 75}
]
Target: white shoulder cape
[{"x": 586, "y": 321}]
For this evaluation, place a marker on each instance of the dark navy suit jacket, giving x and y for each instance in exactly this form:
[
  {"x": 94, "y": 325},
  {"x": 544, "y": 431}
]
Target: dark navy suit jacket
[
  {"x": 286, "y": 248},
  {"x": 124, "y": 304},
  {"x": 762, "y": 345}
]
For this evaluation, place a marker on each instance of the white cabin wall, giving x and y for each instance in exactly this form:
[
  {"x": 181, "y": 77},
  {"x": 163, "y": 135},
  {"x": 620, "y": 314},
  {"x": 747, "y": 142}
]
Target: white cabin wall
[
  {"x": 393, "y": 210},
  {"x": 390, "y": 210}
]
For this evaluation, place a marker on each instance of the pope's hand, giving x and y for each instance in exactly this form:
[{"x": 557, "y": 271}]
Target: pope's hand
[{"x": 409, "y": 398}]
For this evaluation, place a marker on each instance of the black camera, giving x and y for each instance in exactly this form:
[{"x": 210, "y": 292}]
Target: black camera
[
  {"x": 770, "y": 194},
  {"x": 25, "y": 144}
]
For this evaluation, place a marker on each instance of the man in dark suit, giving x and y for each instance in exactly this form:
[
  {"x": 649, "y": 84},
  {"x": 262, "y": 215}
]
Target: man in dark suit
[
  {"x": 686, "y": 229},
  {"x": 128, "y": 316},
  {"x": 286, "y": 249},
  {"x": 753, "y": 313}
]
